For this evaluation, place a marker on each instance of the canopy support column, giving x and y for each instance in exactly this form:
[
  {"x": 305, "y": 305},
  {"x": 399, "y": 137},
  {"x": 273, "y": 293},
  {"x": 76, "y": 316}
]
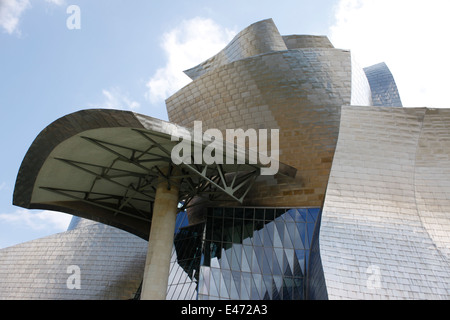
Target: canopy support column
[{"x": 157, "y": 265}]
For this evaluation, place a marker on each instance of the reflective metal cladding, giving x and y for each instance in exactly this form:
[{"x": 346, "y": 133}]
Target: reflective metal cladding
[{"x": 361, "y": 211}]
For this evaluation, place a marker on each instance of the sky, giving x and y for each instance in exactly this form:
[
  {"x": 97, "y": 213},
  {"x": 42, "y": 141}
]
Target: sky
[{"x": 62, "y": 56}]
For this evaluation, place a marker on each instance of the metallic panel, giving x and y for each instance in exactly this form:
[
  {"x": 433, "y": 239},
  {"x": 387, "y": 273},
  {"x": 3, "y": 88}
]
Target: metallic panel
[
  {"x": 297, "y": 91},
  {"x": 385, "y": 223},
  {"x": 382, "y": 84}
]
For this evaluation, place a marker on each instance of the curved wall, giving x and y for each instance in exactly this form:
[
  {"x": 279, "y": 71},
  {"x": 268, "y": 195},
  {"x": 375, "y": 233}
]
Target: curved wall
[
  {"x": 384, "y": 231},
  {"x": 297, "y": 91},
  {"x": 383, "y": 86},
  {"x": 110, "y": 261}
]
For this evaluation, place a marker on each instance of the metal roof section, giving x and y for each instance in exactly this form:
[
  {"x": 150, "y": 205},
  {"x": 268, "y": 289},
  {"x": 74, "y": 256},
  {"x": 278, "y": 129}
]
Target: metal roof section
[{"x": 103, "y": 165}]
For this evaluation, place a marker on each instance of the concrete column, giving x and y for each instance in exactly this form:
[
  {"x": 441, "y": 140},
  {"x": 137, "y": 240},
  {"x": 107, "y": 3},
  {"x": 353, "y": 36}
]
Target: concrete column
[{"x": 157, "y": 265}]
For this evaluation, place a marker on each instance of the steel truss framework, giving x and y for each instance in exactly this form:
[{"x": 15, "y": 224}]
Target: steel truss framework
[{"x": 209, "y": 182}]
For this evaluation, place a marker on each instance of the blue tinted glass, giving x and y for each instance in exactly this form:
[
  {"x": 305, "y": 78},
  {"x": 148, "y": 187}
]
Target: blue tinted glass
[
  {"x": 301, "y": 215},
  {"x": 301, "y": 228},
  {"x": 246, "y": 285},
  {"x": 235, "y": 285},
  {"x": 310, "y": 232},
  {"x": 236, "y": 257},
  {"x": 256, "y": 286},
  {"x": 290, "y": 215},
  {"x": 214, "y": 282},
  {"x": 313, "y": 214},
  {"x": 257, "y": 256},
  {"x": 278, "y": 237},
  {"x": 225, "y": 284},
  {"x": 277, "y": 261},
  {"x": 268, "y": 234},
  {"x": 247, "y": 258}
]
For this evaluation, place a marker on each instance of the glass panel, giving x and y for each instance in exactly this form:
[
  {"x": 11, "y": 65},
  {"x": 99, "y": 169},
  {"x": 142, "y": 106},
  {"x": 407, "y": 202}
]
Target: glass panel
[
  {"x": 298, "y": 270},
  {"x": 294, "y": 235},
  {"x": 279, "y": 213},
  {"x": 204, "y": 281},
  {"x": 238, "y": 231},
  {"x": 268, "y": 234},
  {"x": 313, "y": 213},
  {"x": 310, "y": 232},
  {"x": 301, "y": 227},
  {"x": 239, "y": 213},
  {"x": 269, "y": 215},
  {"x": 248, "y": 232},
  {"x": 301, "y": 215},
  {"x": 228, "y": 212},
  {"x": 256, "y": 286},
  {"x": 235, "y": 285},
  {"x": 288, "y": 262},
  {"x": 267, "y": 287},
  {"x": 300, "y": 254},
  {"x": 290, "y": 215},
  {"x": 298, "y": 289},
  {"x": 224, "y": 262},
  {"x": 217, "y": 229},
  {"x": 248, "y": 213},
  {"x": 277, "y": 261},
  {"x": 258, "y": 238},
  {"x": 259, "y": 214},
  {"x": 288, "y": 283},
  {"x": 227, "y": 230},
  {"x": 267, "y": 261},
  {"x": 214, "y": 282},
  {"x": 230, "y": 249},
  {"x": 246, "y": 258},
  {"x": 236, "y": 257},
  {"x": 217, "y": 212},
  {"x": 246, "y": 286},
  {"x": 278, "y": 235},
  {"x": 277, "y": 287},
  {"x": 225, "y": 284},
  {"x": 258, "y": 260}
]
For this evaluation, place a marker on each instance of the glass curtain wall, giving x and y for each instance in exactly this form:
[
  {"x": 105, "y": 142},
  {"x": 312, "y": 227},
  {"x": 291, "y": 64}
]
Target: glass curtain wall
[{"x": 243, "y": 254}]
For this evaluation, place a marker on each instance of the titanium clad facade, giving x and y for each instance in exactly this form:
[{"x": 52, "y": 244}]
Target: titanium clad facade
[
  {"x": 298, "y": 91},
  {"x": 110, "y": 262},
  {"x": 385, "y": 223},
  {"x": 366, "y": 216},
  {"x": 383, "y": 87}
]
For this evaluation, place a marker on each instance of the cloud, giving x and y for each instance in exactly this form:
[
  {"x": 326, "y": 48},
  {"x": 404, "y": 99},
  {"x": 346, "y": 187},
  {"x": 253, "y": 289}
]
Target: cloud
[
  {"x": 56, "y": 2},
  {"x": 409, "y": 35},
  {"x": 37, "y": 220},
  {"x": 114, "y": 98},
  {"x": 11, "y": 11},
  {"x": 185, "y": 46}
]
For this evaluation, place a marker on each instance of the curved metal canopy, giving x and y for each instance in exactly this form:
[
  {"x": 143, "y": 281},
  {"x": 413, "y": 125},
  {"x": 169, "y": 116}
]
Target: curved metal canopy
[{"x": 103, "y": 165}]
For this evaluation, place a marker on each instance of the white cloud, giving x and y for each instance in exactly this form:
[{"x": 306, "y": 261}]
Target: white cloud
[
  {"x": 411, "y": 36},
  {"x": 185, "y": 46},
  {"x": 10, "y": 12},
  {"x": 37, "y": 220},
  {"x": 56, "y": 2},
  {"x": 114, "y": 98}
]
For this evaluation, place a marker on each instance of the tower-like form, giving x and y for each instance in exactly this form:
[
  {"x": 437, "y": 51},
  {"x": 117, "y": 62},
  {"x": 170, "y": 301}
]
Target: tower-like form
[{"x": 358, "y": 210}]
